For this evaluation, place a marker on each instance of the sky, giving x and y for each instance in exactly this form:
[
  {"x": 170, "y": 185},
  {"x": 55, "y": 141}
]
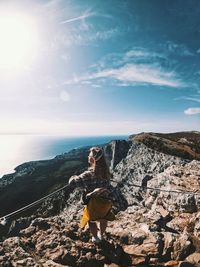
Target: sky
[{"x": 99, "y": 67}]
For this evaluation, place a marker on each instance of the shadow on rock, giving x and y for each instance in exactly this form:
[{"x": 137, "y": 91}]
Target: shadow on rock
[{"x": 114, "y": 253}]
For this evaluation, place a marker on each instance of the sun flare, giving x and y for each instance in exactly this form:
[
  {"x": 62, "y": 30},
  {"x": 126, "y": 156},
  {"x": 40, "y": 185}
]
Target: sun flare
[{"x": 18, "y": 40}]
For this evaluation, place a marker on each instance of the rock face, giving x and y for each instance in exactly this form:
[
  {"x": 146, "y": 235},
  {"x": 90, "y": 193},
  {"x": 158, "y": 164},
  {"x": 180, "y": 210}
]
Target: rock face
[
  {"x": 116, "y": 151},
  {"x": 159, "y": 228},
  {"x": 139, "y": 162}
]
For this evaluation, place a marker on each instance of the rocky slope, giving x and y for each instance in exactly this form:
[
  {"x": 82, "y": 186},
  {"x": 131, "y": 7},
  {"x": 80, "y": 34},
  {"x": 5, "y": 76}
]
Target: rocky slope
[{"x": 157, "y": 229}]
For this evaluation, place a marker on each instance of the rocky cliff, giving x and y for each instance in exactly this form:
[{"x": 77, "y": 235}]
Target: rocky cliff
[{"x": 159, "y": 228}]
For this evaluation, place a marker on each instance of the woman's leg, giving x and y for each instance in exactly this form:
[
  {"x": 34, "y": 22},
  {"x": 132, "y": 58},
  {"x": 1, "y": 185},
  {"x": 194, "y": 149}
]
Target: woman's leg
[
  {"x": 93, "y": 228},
  {"x": 103, "y": 225}
]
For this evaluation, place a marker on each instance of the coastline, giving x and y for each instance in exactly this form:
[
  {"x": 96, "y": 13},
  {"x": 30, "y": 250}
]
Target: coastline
[{"x": 44, "y": 147}]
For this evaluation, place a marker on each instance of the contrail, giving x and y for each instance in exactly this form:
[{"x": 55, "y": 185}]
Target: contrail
[{"x": 77, "y": 18}]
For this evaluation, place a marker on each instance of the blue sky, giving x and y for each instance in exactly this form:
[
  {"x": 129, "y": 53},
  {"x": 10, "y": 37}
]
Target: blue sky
[{"x": 105, "y": 67}]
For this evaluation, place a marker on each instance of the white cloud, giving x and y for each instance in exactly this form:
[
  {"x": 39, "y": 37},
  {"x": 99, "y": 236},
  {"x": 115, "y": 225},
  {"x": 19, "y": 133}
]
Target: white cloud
[
  {"x": 131, "y": 74},
  {"x": 139, "y": 52},
  {"x": 178, "y": 49},
  {"x": 190, "y": 98},
  {"x": 103, "y": 35},
  {"x": 78, "y": 36},
  {"x": 193, "y": 99},
  {"x": 192, "y": 111},
  {"x": 136, "y": 53},
  {"x": 65, "y": 57},
  {"x": 84, "y": 33},
  {"x": 96, "y": 85}
]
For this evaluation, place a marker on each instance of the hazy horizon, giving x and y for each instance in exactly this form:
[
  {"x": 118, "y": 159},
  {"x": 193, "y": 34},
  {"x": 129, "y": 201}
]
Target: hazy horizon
[{"x": 17, "y": 149}]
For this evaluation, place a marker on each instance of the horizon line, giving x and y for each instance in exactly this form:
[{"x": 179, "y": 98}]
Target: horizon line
[{"x": 95, "y": 135}]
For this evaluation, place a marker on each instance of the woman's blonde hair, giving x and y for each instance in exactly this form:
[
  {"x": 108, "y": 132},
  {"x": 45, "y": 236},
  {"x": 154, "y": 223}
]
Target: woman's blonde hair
[{"x": 100, "y": 166}]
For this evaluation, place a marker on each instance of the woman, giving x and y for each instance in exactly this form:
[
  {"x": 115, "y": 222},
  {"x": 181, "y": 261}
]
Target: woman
[{"x": 100, "y": 195}]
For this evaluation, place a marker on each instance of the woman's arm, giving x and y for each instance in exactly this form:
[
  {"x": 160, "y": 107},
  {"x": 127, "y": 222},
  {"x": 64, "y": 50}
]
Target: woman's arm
[{"x": 79, "y": 181}]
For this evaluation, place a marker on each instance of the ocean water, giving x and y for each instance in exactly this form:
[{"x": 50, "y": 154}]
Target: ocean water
[{"x": 16, "y": 149}]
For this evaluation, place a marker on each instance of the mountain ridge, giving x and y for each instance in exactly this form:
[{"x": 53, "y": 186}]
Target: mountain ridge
[
  {"x": 182, "y": 144},
  {"x": 157, "y": 229}
]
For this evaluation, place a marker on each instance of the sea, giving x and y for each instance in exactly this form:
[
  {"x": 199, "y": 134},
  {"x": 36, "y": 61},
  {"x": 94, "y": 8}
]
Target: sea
[{"x": 17, "y": 149}]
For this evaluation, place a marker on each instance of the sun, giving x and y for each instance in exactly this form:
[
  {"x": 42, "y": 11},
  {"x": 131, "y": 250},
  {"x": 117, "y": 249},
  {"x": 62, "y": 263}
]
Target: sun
[{"x": 18, "y": 40}]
